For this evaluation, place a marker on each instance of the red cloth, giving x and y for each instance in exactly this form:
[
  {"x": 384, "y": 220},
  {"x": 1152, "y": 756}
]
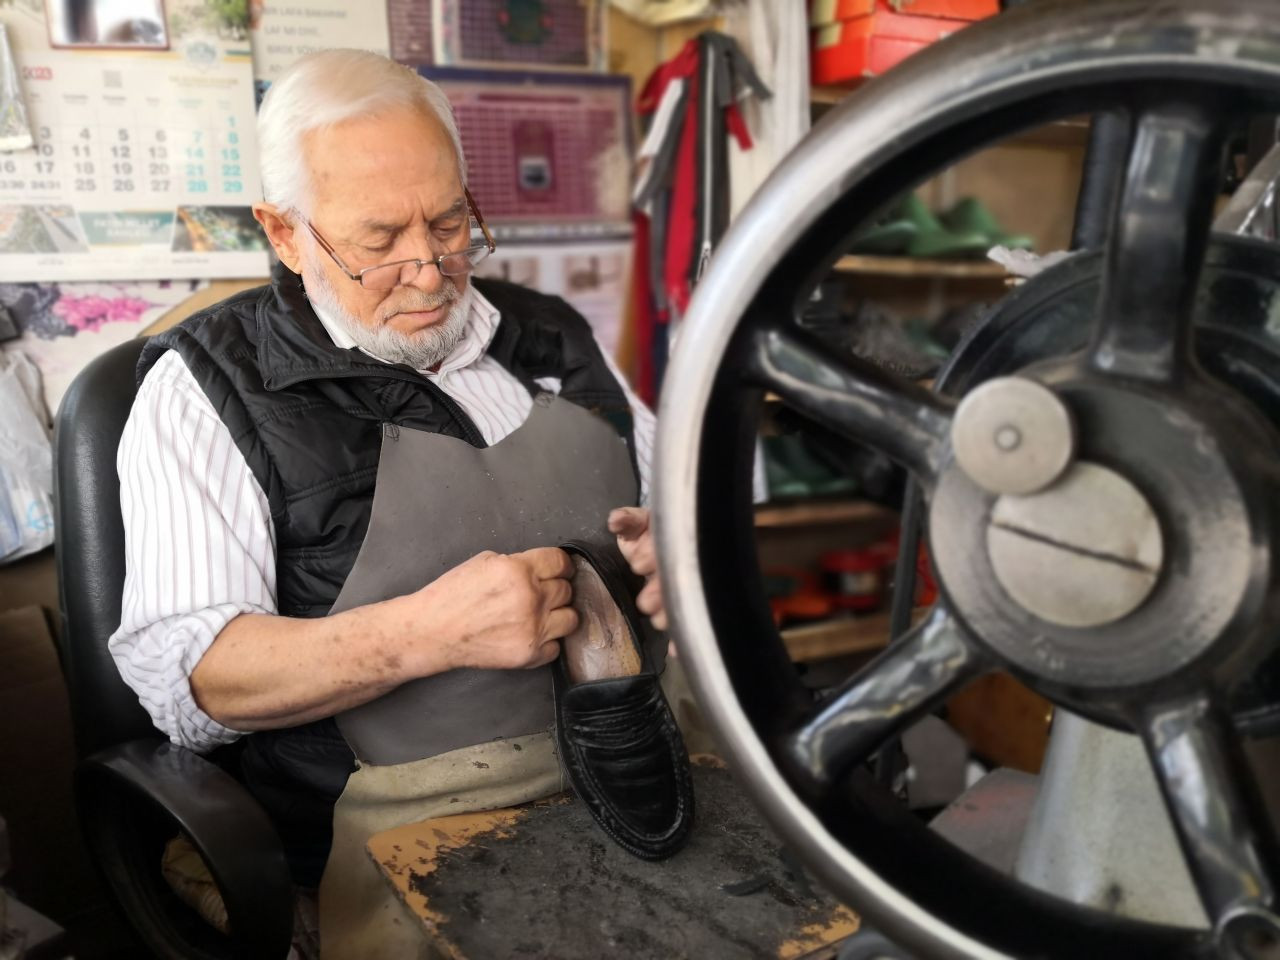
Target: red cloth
[
  {"x": 682, "y": 214},
  {"x": 682, "y": 242},
  {"x": 737, "y": 126},
  {"x": 683, "y": 64}
]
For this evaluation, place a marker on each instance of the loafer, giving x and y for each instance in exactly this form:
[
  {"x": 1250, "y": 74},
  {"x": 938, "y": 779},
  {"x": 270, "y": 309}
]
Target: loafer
[{"x": 618, "y": 740}]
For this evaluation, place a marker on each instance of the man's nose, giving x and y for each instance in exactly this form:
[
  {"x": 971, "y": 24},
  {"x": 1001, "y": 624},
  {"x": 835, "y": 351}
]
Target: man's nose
[{"x": 429, "y": 279}]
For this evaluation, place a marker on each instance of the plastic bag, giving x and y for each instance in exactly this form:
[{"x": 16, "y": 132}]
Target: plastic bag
[
  {"x": 1254, "y": 209},
  {"x": 26, "y": 461},
  {"x": 15, "y": 130}
]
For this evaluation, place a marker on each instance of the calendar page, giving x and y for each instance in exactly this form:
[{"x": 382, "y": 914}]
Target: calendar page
[{"x": 145, "y": 160}]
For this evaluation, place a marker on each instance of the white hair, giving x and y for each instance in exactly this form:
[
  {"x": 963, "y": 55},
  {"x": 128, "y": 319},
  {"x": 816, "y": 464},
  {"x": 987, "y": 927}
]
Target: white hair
[{"x": 325, "y": 88}]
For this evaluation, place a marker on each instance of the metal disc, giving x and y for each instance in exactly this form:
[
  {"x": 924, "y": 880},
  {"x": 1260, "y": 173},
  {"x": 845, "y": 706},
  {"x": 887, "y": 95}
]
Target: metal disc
[{"x": 1012, "y": 435}]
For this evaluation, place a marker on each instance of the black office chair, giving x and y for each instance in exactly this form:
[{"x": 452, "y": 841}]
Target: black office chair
[{"x": 135, "y": 790}]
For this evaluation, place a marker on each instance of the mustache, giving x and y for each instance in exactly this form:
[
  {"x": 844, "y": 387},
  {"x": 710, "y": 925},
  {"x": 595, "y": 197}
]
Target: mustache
[{"x": 415, "y": 301}]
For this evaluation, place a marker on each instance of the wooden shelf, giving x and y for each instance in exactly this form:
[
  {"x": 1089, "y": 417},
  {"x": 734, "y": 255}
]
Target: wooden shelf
[
  {"x": 1072, "y": 132},
  {"x": 837, "y": 638},
  {"x": 916, "y": 267},
  {"x": 829, "y": 96},
  {"x": 1060, "y": 133},
  {"x": 810, "y": 512},
  {"x": 842, "y": 637}
]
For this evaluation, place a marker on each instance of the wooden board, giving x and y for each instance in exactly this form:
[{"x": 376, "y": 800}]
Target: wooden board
[
  {"x": 809, "y": 512},
  {"x": 837, "y": 638},
  {"x": 919, "y": 267},
  {"x": 214, "y": 292},
  {"x": 842, "y": 637},
  {"x": 542, "y": 880},
  {"x": 1005, "y": 722}
]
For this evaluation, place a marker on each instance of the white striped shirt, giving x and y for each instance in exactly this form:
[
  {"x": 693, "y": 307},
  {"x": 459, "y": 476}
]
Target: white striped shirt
[{"x": 199, "y": 543}]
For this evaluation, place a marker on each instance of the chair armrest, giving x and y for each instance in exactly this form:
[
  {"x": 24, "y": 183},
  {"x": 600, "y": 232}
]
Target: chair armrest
[{"x": 224, "y": 822}]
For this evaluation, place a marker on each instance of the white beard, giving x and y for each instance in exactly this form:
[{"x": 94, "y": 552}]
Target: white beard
[{"x": 421, "y": 350}]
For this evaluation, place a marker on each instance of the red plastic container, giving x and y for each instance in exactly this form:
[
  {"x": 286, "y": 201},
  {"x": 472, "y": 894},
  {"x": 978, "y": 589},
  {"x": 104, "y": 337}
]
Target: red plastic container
[
  {"x": 855, "y": 578},
  {"x": 824, "y": 12},
  {"x": 867, "y": 46},
  {"x": 802, "y": 608}
]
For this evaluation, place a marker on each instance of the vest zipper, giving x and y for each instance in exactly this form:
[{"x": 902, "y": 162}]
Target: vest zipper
[{"x": 708, "y": 153}]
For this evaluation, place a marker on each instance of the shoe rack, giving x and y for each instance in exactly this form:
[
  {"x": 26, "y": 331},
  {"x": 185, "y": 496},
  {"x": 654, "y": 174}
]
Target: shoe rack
[{"x": 1045, "y": 163}]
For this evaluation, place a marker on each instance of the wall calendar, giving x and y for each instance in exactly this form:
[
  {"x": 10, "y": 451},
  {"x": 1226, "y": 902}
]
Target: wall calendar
[{"x": 144, "y": 163}]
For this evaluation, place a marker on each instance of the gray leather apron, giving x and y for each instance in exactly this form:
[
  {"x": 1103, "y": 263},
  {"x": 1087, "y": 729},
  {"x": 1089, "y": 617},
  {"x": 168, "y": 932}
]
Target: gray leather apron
[{"x": 439, "y": 501}]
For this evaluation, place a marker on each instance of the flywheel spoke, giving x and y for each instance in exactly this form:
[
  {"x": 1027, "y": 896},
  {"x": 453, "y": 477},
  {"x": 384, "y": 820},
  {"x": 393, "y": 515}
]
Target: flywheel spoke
[
  {"x": 1158, "y": 241},
  {"x": 900, "y": 418},
  {"x": 915, "y": 674},
  {"x": 1226, "y": 835}
]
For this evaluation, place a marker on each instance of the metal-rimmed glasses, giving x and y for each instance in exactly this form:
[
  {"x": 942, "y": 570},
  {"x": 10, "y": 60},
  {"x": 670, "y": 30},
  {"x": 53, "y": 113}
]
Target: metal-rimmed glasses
[{"x": 385, "y": 276}]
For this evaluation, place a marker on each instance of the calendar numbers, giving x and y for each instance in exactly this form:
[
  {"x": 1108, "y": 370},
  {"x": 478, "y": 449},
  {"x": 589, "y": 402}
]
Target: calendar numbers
[
  {"x": 11, "y": 174},
  {"x": 38, "y": 170},
  {"x": 113, "y": 153}
]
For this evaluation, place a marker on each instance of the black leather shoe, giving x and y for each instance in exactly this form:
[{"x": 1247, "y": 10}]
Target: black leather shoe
[{"x": 618, "y": 741}]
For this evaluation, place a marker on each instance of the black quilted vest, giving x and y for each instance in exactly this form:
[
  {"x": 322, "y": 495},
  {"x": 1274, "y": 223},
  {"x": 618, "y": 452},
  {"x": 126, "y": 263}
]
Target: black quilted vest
[{"x": 307, "y": 416}]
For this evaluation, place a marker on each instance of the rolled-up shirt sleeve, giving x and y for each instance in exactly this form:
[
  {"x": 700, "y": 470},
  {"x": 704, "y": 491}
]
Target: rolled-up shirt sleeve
[{"x": 199, "y": 548}]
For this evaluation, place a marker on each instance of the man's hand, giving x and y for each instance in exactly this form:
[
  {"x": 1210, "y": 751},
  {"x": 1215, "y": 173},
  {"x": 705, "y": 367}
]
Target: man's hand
[
  {"x": 635, "y": 540},
  {"x": 493, "y": 611},
  {"x": 499, "y": 611}
]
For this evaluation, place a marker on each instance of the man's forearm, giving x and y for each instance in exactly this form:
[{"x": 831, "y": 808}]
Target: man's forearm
[{"x": 264, "y": 672}]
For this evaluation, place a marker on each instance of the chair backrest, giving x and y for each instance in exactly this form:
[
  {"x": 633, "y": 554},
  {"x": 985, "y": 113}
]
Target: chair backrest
[{"x": 89, "y": 548}]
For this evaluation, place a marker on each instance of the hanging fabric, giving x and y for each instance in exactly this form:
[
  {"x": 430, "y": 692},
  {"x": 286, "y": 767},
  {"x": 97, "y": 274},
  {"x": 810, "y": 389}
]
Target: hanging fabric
[
  {"x": 775, "y": 36},
  {"x": 681, "y": 199}
]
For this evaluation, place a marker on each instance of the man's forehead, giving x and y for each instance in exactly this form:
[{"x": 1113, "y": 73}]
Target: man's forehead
[
  {"x": 382, "y": 223},
  {"x": 379, "y": 168}
]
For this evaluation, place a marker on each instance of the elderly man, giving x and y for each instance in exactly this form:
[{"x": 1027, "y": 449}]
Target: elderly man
[{"x": 342, "y": 492}]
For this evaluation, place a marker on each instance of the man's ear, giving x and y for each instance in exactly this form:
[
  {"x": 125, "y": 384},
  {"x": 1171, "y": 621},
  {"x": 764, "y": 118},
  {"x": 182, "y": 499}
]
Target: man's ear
[{"x": 281, "y": 234}]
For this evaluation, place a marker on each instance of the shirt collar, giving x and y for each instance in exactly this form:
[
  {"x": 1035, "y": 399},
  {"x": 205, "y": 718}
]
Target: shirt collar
[{"x": 482, "y": 325}]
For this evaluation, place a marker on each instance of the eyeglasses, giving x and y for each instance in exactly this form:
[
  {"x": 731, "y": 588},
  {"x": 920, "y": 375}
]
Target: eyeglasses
[{"x": 385, "y": 276}]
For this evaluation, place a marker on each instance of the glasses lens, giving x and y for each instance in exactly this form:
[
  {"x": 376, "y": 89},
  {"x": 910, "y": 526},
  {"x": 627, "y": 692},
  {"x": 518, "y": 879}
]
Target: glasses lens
[
  {"x": 463, "y": 261},
  {"x": 390, "y": 275}
]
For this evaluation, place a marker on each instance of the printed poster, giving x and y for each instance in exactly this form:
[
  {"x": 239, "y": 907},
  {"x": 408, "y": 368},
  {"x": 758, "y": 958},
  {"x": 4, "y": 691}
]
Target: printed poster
[
  {"x": 284, "y": 31},
  {"x": 65, "y": 325},
  {"x": 592, "y": 277}
]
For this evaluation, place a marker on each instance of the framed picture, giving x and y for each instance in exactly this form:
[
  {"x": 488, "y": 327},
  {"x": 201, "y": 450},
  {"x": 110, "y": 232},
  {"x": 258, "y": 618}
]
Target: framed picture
[{"x": 107, "y": 24}]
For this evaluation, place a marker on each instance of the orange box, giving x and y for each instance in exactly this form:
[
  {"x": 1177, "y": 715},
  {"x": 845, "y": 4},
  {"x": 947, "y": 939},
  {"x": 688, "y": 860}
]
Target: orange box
[
  {"x": 869, "y": 45},
  {"x": 825, "y": 12}
]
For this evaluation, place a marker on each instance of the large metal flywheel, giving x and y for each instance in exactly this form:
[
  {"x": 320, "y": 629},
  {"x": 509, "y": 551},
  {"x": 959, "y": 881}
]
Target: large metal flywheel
[{"x": 1100, "y": 477}]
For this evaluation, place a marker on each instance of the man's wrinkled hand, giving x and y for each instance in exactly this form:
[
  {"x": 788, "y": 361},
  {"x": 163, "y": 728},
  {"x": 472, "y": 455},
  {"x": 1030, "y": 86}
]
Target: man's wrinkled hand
[
  {"x": 501, "y": 611},
  {"x": 635, "y": 540}
]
